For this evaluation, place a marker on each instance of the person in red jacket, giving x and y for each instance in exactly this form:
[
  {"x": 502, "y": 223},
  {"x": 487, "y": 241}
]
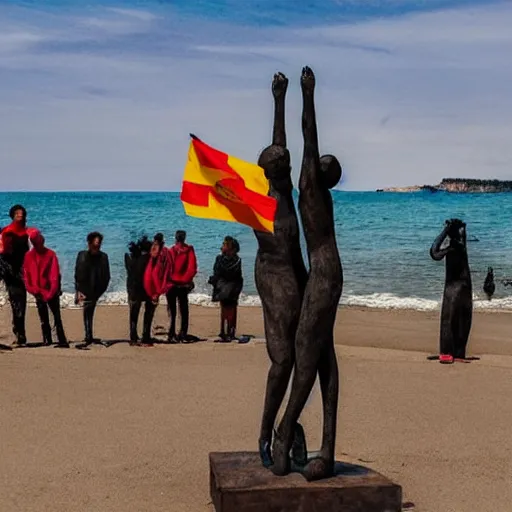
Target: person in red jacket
[
  {"x": 41, "y": 275},
  {"x": 14, "y": 248},
  {"x": 183, "y": 268},
  {"x": 155, "y": 279}
]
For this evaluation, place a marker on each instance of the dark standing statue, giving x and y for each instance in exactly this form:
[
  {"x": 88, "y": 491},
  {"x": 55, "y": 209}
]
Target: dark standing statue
[
  {"x": 280, "y": 273},
  {"x": 489, "y": 285},
  {"x": 314, "y": 341},
  {"x": 457, "y": 308}
]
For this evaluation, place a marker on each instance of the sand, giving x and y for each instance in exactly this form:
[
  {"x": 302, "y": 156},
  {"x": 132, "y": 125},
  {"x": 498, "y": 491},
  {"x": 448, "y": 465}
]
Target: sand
[{"x": 129, "y": 429}]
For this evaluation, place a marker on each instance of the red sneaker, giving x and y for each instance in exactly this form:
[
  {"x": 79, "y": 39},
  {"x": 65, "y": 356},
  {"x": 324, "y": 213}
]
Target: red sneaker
[{"x": 445, "y": 359}]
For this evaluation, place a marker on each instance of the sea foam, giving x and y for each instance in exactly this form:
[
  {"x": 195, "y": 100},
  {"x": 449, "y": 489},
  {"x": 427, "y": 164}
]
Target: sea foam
[{"x": 375, "y": 300}]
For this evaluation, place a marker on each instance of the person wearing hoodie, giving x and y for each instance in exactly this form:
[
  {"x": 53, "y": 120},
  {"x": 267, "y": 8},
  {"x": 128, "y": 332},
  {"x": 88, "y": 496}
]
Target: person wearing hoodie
[
  {"x": 182, "y": 270},
  {"x": 136, "y": 262},
  {"x": 14, "y": 247},
  {"x": 156, "y": 281},
  {"x": 92, "y": 277},
  {"x": 41, "y": 275},
  {"x": 227, "y": 282}
]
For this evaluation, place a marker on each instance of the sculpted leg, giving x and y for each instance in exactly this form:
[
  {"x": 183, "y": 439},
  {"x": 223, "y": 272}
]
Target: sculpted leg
[
  {"x": 323, "y": 466},
  {"x": 281, "y": 355},
  {"x": 464, "y": 328},
  {"x": 306, "y": 364},
  {"x": 446, "y": 340}
]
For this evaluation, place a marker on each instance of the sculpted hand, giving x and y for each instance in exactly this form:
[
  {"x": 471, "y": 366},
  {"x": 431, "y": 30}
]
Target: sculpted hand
[
  {"x": 279, "y": 85},
  {"x": 307, "y": 80}
]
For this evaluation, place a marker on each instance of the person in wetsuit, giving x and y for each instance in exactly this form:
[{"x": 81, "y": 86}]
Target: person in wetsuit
[
  {"x": 14, "y": 248},
  {"x": 457, "y": 308},
  {"x": 41, "y": 275},
  {"x": 227, "y": 282},
  {"x": 182, "y": 270},
  {"x": 92, "y": 277},
  {"x": 135, "y": 262}
]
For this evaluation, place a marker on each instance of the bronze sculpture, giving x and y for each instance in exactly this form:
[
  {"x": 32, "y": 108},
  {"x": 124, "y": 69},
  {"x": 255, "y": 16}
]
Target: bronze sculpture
[
  {"x": 457, "y": 308},
  {"x": 313, "y": 342}
]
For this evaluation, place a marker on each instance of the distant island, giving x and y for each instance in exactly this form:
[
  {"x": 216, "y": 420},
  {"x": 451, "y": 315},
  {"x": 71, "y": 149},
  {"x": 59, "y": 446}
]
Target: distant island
[{"x": 458, "y": 185}]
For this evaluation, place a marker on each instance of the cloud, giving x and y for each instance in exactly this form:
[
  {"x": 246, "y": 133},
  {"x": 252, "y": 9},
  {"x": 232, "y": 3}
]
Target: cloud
[
  {"x": 135, "y": 13},
  {"x": 105, "y": 99}
]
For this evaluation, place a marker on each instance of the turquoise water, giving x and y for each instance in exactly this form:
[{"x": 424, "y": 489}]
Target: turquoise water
[{"x": 383, "y": 238}]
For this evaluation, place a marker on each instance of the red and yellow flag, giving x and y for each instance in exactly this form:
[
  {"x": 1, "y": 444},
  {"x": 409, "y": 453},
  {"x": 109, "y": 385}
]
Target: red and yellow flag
[{"x": 219, "y": 186}]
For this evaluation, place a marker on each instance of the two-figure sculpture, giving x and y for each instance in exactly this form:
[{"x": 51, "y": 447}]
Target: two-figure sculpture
[{"x": 299, "y": 307}]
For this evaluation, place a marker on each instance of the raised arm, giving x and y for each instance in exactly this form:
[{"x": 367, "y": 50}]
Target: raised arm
[
  {"x": 436, "y": 253},
  {"x": 464, "y": 235},
  {"x": 311, "y": 155},
  {"x": 279, "y": 87}
]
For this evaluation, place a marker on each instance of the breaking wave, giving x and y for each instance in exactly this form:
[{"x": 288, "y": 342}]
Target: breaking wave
[{"x": 375, "y": 300}]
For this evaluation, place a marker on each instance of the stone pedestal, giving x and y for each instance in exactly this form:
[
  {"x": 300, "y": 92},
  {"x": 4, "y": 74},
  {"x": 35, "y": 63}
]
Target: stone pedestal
[{"x": 239, "y": 483}]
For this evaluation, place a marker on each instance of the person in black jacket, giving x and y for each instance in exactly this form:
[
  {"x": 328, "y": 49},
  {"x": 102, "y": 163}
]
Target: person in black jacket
[
  {"x": 92, "y": 277},
  {"x": 227, "y": 284},
  {"x": 14, "y": 248},
  {"x": 135, "y": 262}
]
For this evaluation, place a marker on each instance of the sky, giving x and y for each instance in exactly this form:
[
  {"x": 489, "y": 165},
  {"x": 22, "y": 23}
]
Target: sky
[{"x": 103, "y": 95}]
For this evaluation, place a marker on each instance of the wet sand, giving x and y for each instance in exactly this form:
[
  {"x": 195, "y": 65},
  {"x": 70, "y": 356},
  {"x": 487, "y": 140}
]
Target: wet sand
[{"x": 130, "y": 429}]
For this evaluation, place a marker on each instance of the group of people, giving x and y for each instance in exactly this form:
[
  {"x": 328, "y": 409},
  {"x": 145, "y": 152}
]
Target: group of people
[{"x": 152, "y": 271}]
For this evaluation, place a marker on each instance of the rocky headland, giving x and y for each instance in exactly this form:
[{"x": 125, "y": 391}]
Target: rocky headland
[{"x": 458, "y": 185}]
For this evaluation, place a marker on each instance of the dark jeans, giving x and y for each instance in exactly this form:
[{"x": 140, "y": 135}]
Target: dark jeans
[
  {"x": 18, "y": 300},
  {"x": 54, "y": 306},
  {"x": 149, "y": 313},
  {"x": 179, "y": 294},
  {"x": 89, "y": 306}
]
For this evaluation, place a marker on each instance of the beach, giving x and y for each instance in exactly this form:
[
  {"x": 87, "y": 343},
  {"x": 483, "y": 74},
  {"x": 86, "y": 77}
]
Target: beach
[{"x": 129, "y": 429}]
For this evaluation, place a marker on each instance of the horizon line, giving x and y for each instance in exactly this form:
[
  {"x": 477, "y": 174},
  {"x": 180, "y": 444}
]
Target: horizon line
[{"x": 130, "y": 191}]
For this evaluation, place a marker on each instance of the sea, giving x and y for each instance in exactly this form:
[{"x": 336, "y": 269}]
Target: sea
[{"x": 383, "y": 238}]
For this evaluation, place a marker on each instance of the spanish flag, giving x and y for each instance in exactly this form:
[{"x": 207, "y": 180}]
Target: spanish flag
[{"x": 219, "y": 186}]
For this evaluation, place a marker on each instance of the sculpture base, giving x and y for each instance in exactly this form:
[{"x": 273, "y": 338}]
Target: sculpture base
[{"x": 239, "y": 483}]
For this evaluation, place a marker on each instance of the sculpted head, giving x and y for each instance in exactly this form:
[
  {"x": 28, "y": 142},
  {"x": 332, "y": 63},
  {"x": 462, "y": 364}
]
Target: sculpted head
[
  {"x": 275, "y": 161},
  {"x": 331, "y": 170},
  {"x": 455, "y": 228}
]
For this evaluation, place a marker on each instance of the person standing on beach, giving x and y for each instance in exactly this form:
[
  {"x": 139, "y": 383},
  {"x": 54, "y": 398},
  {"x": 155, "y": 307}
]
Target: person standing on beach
[
  {"x": 92, "y": 277},
  {"x": 136, "y": 261},
  {"x": 156, "y": 273},
  {"x": 41, "y": 275},
  {"x": 14, "y": 248},
  {"x": 182, "y": 270},
  {"x": 227, "y": 281}
]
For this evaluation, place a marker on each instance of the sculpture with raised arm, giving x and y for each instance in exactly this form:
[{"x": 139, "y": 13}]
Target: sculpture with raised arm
[
  {"x": 280, "y": 275},
  {"x": 457, "y": 308},
  {"x": 314, "y": 341}
]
